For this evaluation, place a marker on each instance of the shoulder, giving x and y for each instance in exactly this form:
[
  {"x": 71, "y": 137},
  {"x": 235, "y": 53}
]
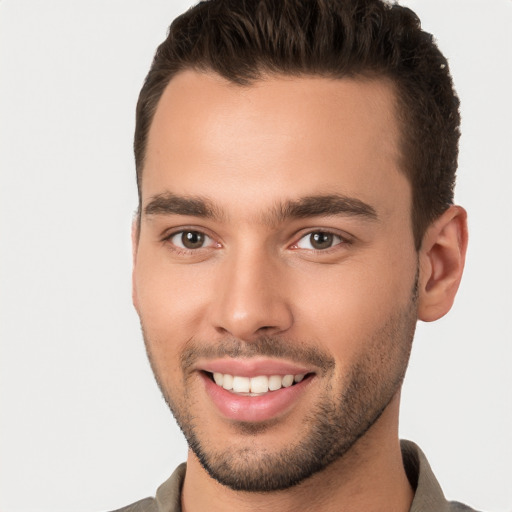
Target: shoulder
[
  {"x": 455, "y": 506},
  {"x": 428, "y": 495},
  {"x": 145, "y": 505},
  {"x": 167, "y": 496}
]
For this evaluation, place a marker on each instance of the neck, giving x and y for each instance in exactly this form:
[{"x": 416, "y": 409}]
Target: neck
[{"x": 369, "y": 477}]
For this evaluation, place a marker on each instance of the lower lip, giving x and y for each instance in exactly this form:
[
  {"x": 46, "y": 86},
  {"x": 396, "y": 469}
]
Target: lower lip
[{"x": 254, "y": 408}]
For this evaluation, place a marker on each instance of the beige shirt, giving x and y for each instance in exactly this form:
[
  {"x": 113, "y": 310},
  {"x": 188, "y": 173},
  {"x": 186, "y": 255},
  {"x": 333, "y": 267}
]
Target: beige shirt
[{"x": 428, "y": 496}]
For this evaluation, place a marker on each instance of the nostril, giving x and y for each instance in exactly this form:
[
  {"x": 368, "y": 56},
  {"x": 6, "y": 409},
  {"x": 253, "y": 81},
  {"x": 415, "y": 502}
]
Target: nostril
[{"x": 245, "y": 319}]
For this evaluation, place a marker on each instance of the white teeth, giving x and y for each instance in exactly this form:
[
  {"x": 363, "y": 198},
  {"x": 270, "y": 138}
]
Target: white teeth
[
  {"x": 275, "y": 382},
  {"x": 255, "y": 385},
  {"x": 241, "y": 384},
  {"x": 287, "y": 381},
  {"x": 259, "y": 384},
  {"x": 227, "y": 381}
]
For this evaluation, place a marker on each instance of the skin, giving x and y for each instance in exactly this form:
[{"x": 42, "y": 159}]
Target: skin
[{"x": 242, "y": 151}]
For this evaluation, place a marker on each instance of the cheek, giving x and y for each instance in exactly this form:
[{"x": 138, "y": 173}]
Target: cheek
[
  {"x": 169, "y": 308},
  {"x": 344, "y": 308},
  {"x": 170, "y": 299}
]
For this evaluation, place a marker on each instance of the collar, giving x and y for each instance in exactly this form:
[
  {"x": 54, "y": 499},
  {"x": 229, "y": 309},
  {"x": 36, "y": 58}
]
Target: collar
[{"x": 428, "y": 495}]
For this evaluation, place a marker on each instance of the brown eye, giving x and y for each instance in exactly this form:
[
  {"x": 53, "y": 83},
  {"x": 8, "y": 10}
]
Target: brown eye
[
  {"x": 319, "y": 240},
  {"x": 190, "y": 239}
]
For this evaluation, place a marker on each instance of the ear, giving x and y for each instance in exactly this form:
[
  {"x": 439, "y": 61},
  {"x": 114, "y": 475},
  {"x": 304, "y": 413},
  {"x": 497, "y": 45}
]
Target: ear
[
  {"x": 135, "y": 247},
  {"x": 135, "y": 237},
  {"x": 442, "y": 256}
]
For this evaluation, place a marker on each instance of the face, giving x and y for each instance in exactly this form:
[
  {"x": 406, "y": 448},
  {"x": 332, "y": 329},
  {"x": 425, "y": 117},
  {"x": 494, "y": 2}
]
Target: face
[{"x": 275, "y": 270}]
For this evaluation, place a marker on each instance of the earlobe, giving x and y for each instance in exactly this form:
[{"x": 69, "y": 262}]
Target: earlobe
[{"x": 442, "y": 256}]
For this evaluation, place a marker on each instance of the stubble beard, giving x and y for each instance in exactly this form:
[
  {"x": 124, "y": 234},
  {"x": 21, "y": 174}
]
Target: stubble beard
[{"x": 342, "y": 415}]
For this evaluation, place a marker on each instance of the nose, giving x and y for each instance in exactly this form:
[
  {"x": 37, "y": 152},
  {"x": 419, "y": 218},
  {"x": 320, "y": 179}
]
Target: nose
[{"x": 251, "y": 298}]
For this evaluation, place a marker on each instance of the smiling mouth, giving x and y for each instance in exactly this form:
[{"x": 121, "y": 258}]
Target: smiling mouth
[{"x": 255, "y": 386}]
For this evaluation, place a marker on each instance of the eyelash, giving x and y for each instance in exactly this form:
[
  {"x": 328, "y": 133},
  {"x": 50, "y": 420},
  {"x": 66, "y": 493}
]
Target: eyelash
[
  {"x": 343, "y": 240},
  {"x": 184, "y": 250}
]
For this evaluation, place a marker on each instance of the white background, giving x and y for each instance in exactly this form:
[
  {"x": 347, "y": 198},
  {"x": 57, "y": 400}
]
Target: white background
[{"x": 83, "y": 427}]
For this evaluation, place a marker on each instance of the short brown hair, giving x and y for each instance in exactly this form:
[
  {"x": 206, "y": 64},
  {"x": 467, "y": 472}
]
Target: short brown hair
[{"x": 243, "y": 40}]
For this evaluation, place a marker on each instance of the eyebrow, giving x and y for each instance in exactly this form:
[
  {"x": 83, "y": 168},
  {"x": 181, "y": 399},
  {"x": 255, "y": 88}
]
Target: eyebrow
[
  {"x": 309, "y": 206},
  {"x": 323, "y": 205},
  {"x": 172, "y": 204}
]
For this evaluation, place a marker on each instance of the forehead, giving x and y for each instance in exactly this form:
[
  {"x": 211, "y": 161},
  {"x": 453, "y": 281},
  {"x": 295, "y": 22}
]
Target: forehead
[{"x": 292, "y": 136}]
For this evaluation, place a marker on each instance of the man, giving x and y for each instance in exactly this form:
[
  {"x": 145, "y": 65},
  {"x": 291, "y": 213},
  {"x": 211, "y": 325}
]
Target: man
[{"x": 295, "y": 165}]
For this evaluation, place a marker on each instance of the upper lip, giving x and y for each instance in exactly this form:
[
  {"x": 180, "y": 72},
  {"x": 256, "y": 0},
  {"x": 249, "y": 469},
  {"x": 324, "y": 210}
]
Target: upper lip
[{"x": 252, "y": 367}]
